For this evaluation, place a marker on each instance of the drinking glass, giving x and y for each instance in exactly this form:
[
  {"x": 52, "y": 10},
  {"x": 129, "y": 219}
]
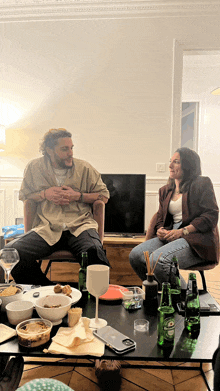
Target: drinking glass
[
  {"x": 9, "y": 257},
  {"x": 97, "y": 283}
]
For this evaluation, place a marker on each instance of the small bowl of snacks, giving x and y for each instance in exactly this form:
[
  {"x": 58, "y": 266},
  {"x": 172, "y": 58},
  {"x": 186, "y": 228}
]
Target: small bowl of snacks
[
  {"x": 9, "y": 293},
  {"x": 17, "y": 311},
  {"x": 53, "y": 307},
  {"x": 34, "y": 332}
]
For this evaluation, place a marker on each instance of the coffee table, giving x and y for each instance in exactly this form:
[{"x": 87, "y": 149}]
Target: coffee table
[{"x": 184, "y": 350}]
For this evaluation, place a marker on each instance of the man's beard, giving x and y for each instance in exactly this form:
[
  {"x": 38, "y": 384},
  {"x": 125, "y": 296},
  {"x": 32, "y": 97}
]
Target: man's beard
[{"x": 61, "y": 162}]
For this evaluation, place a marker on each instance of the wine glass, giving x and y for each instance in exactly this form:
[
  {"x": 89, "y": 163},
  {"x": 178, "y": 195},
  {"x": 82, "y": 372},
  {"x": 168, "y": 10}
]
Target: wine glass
[
  {"x": 97, "y": 283},
  {"x": 9, "y": 257}
]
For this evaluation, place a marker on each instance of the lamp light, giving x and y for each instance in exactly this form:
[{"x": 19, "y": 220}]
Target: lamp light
[
  {"x": 2, "y": 138},
  {"x": 216, "y": 91}
]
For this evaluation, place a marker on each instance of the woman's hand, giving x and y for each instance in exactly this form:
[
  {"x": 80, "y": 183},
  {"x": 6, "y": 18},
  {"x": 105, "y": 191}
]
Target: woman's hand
[
  {"x": 173, "y": 235},
  {"x": 161, "y": 233}
]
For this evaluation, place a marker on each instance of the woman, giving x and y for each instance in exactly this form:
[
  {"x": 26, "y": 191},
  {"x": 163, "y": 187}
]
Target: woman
[{"x": 186, "y": 224}]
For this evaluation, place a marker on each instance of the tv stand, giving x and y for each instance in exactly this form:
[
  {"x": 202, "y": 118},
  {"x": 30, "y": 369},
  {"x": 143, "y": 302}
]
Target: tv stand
[
  {"x": 123, "y": 235},
  {"x": 118, "y": 249}
]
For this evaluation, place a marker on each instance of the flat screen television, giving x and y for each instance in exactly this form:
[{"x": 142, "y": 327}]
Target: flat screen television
[{"x": 125, "y": 210}]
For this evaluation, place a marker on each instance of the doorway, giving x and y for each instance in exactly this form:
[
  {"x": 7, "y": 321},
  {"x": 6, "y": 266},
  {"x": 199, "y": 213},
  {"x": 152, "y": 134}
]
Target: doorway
[{"x": 189, "y": 125}]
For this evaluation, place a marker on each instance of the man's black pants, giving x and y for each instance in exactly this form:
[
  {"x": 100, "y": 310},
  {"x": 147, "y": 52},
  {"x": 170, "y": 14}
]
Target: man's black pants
[{"x": 32, "y": 247}]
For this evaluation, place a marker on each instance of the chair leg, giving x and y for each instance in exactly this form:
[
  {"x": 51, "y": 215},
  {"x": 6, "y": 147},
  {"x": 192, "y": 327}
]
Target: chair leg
[
  {"x": 202, "y": 274},
  {"x": 48, "y": 267}
]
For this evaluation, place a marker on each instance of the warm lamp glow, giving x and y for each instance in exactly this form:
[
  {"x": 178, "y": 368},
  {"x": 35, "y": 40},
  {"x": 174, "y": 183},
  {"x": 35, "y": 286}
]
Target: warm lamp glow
[
  {"x": 2, "y": 138},
  {"x": 216, "y": 91},
  {"x": 10, "y": 112}
]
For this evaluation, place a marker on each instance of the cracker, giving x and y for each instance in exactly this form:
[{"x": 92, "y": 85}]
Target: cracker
[{"x": 10, "y": 291}]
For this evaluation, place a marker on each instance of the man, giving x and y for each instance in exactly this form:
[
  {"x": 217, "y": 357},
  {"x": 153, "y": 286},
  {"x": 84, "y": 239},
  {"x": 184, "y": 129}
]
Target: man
[{"x": 64, "y": 189}]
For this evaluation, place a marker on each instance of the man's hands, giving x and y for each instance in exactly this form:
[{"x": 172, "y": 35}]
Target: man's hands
[
  {"x": 61, "y": 195},
  {"x": 169, "y": 236}
]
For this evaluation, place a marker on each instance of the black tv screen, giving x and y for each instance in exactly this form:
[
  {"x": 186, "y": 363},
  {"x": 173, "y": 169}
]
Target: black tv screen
[{"x": 125, "y": 210}]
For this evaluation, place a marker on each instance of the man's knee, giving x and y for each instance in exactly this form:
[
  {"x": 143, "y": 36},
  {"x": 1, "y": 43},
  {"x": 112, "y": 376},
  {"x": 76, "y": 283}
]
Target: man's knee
[{"x": 97, "y": 256}]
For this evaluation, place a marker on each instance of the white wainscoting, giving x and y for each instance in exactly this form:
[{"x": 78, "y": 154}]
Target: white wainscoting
[{"x": 11, "y": 207}]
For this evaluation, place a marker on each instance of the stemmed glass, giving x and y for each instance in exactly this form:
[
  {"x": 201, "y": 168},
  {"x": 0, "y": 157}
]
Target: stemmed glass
[
  {"x": 9, "y": 257},
  {"x": 97, "y": 283}
]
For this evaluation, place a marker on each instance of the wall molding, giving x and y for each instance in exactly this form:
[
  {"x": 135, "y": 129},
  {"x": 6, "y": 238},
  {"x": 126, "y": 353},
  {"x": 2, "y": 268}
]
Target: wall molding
[
  {"x": 155, "y": 180},
  {"x": 40, "y": 10},
  {"x": 10, "y": 179},
  {"x": 2, "y": 208}
]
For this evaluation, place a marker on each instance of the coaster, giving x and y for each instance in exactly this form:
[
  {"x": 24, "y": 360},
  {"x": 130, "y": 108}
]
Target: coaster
[{"x": 6, "y": 332}]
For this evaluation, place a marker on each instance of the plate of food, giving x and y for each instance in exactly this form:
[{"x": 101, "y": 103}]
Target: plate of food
[
  {"x": 114, "y": 292},
  {"x": 34, "y": 294}
]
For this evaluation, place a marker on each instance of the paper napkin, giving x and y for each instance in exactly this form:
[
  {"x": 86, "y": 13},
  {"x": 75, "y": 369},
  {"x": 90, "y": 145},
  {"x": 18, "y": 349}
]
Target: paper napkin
[{"x": 77, "y": 340}]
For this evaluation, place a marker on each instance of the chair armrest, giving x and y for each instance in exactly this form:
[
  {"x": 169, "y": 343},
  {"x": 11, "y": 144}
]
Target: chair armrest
[
  {"x": 99, "y": 217},
  {"x": 151, "y": 228},
  {"x": 30, "y": 210},
  {"x": 11, "y": 375}
]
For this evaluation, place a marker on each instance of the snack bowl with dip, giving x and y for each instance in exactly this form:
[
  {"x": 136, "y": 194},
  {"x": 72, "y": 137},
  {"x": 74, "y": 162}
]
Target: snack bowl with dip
[
  {"x": 53, "y": 307},
  {"x": 9, "y": 293},
  {"x": 17, "y": 311},
  {"x": 34, "y": 332}
]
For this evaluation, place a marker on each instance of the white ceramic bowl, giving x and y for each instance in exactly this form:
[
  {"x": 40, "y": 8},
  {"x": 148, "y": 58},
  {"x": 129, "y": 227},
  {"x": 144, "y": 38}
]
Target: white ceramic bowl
[
  {"x": 9, "y": 299},
  {"x": 55, "y": 314},
  {"x": 17, "y": 311}
]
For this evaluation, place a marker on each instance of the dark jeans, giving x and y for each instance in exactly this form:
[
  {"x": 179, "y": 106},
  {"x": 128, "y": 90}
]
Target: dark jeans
[{"x": 32, "y": 247}]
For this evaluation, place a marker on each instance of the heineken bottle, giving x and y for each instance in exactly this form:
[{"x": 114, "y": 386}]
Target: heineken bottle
[
  {"x": 82, "y": 273},
  {"x": 175, "y": 283},
  {"x": 166, "y": 322},
  {"x": 192, "y": 305}
]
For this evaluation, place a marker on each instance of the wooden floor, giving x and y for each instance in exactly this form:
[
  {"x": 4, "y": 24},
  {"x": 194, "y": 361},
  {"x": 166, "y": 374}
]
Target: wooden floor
[{"x": 84, "y": 379}]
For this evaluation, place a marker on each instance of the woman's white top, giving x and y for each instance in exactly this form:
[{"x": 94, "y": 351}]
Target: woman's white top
[{"x": 175, "y": 209}]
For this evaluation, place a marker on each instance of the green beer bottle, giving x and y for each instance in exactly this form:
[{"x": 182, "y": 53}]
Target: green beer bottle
[
  {"x": 166, "y": 321},
  {"x": 192, "y": 305},
  {"x": 82, "y": 273},
  {"x": 175, "y": 282}
]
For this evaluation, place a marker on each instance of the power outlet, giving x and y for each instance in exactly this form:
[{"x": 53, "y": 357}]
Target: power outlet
[{"x": 160, "y": 167}]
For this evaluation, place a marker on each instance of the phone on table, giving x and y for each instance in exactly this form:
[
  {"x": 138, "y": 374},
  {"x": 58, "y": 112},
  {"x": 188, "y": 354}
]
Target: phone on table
[{"x": 115, "y": 340}]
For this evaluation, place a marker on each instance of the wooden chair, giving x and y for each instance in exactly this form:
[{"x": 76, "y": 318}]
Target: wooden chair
[
  {"x": 30, "y": 208},
  {"x": 201, "y": 269}
]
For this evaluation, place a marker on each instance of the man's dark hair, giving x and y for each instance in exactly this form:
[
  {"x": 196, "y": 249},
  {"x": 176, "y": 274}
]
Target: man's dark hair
[
  {"x": 191, "y": 167},
  {"x": 50, "y": 139}
]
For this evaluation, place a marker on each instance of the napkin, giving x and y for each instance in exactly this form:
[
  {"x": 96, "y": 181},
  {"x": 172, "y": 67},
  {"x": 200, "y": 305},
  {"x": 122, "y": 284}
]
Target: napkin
[{"x": 77, "y": 340}]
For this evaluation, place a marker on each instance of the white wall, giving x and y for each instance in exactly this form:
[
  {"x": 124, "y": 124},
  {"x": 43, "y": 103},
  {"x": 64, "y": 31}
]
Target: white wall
[{"x": 109, "y": 81}]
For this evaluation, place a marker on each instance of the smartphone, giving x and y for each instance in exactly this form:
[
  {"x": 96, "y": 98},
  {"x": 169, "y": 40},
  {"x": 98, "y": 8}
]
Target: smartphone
[{"x": 115, "y": 340}]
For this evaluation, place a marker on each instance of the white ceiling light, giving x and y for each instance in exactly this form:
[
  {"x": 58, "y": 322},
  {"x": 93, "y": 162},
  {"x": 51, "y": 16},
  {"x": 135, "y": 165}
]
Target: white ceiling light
[{"x": 216, "y": 91}]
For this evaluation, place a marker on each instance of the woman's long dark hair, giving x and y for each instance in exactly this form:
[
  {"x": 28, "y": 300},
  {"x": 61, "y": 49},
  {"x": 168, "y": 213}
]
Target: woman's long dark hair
[{"x": 191, "y": 167}]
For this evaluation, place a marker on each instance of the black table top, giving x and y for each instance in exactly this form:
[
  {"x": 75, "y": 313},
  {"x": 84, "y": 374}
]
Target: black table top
[{"x": 184, "y": 350}]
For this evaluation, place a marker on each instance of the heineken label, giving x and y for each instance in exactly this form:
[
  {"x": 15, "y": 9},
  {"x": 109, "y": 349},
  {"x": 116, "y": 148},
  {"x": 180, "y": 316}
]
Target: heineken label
[{"x": 169, "y": 328}]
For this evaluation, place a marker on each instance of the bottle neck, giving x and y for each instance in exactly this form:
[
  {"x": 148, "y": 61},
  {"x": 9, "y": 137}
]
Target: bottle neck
[
  {"x": 84, "y": 261},
  {"x": 166, "y": 295},
  {"x": 192, "y": 287},
  {"x": 150, "y": 277}
]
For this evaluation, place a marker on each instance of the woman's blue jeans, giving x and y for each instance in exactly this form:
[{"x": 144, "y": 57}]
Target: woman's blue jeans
[{"x": 179, "y": 248}]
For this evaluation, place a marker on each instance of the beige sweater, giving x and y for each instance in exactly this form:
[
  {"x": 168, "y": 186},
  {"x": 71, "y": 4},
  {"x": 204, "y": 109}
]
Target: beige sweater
[{"x": 51, "y": 219}]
